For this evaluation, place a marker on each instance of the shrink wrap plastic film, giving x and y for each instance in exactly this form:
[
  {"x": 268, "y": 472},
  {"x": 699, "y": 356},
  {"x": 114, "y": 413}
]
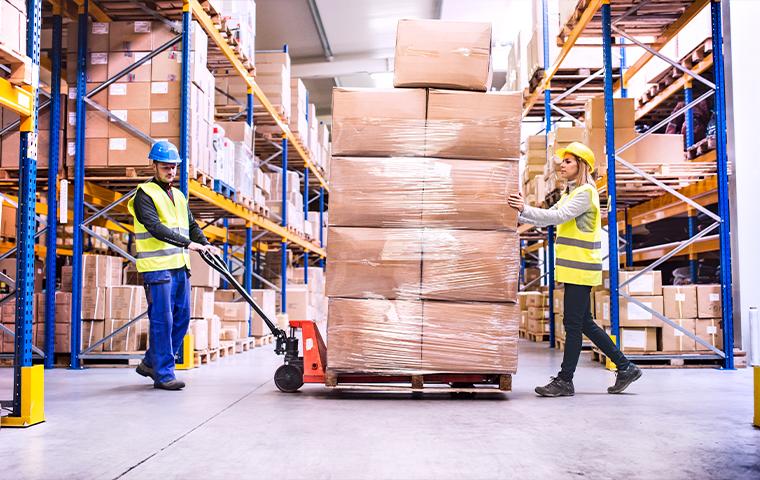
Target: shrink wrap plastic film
[
  {"x": 422, "y": 192},
  {"x": 420, "y": 337},
  {"x": 414, "y": 122},
  {"x": 413, "y": 264}
]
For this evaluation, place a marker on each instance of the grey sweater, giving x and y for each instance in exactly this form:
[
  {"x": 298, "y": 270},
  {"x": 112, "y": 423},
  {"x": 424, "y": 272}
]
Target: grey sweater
[{"x": 580, "y": 208}]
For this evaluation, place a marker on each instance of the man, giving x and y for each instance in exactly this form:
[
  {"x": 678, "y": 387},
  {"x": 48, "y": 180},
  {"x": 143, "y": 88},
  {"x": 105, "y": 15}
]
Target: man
[{"x": 165, "y": 232}]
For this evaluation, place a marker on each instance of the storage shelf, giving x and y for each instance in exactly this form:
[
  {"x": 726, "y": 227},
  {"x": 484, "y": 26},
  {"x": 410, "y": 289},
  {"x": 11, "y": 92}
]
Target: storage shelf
[{"x": 710, "y": 243}]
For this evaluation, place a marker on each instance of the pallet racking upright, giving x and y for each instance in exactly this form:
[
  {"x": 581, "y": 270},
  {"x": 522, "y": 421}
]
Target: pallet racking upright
[{"x": 624, "y": 19}]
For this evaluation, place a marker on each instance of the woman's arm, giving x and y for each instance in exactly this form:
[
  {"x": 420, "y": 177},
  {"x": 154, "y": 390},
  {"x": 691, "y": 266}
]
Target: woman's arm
[{"x": 542, "y": 217}]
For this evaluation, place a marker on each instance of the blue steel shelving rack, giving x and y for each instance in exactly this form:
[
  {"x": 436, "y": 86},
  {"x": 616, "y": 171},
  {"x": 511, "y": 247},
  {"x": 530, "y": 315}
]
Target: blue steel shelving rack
[
  {"x": 115, "y": 201},
  {"x": 27, "y": 406},
  {"x": 722, "y": 219}
]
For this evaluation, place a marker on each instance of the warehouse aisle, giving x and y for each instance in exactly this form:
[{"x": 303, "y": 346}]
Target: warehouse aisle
[{"x": 231, "y": 423}]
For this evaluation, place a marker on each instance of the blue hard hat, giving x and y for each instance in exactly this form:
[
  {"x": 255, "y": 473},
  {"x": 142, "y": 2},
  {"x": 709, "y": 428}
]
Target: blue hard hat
[{"x": 165, "y": 152}]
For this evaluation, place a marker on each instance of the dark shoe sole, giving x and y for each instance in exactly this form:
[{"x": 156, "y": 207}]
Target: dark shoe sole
[
  {"x": 171, "y": 389},
  {"x": 144, "y": 372},
  {"x": 540, "y": 392},
  {"x": 625, "y": 385}
]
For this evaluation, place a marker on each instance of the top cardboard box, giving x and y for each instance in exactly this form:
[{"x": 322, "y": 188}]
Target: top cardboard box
[
  {"x": 379, "y": 122},
  {"x": 434, "y": 53},
  {"x": 473, "y": 125}
]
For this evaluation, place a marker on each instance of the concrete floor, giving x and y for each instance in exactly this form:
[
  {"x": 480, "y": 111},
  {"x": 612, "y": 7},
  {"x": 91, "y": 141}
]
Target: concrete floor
[{"x": 231, "y": 422}]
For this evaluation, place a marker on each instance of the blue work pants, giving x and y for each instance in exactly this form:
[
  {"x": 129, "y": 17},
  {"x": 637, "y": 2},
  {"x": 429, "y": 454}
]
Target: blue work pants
[{"x": 168, "y": 293}]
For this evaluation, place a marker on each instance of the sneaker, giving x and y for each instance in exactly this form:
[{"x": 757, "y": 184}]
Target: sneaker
[
  {"x": 625, "y": 378},
  {"x": 556, "y": 388},
  {"x": 170, "y": 385},
  {"x": 145, "y": 371}
]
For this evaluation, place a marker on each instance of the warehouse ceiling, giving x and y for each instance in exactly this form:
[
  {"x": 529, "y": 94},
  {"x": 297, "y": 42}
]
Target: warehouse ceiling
[{"x": 354, "y": 46}]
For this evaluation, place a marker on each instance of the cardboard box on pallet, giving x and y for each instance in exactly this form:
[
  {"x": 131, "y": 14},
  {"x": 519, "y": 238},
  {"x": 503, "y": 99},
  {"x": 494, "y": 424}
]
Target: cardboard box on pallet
[
  {"x": 559, "y": 300},
  {"x": 469, "y": 194},
  {"x": 483, "y": 335},
  {"x": 374, "y": 335},
  {"x": 127, "y": 340},
  {"x": 711, "y": 331},
  {"x": 129, "y": 96},
  {"x": 98, "y": 271},
  {"x": 201, "y": 274},
  {"x": 680, "y": 301},
  {"x": 535, "y": 299},
  {"x": 266, "y": 300},
  {"x": 708, "y": 301},
  {"x": 469, "y": 265},
  {"x": 94, "y": 303},
  {"x": 434, "y": 53},
  {"x": 674, "y": 340},
  {"x": 93, "y": 331},
  {"x": 625, "y": 109},
  {"x": 231, "y": 311},
  {"x": 483, "y": 126},
  {"x": 538, "y": 326},
  {"x": 139, "y": 119},
  {"x": 128, "y": 150},
  {"x": 299, "y": 306},
  {"x": 118, "y": 61},
  {"x": 374, "y": 263},
  {"x": 125, "y": 302},
  {"x": 631, "y": 314},
  {"x": 201, "y": 302},
  {"x": 361, "y": 189},
  {"x": 199, "y": 331},
  {"x": 378, "y": 122},
  {"x": 647, "y": 284},
  {"x": 214, "y": 332},
  {"x": 633, "y": 339},
  {"x": 538, "y": 313}
]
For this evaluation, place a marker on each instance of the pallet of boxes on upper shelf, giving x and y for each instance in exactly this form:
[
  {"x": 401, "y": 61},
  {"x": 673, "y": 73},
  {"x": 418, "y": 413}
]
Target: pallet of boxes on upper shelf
[
  {"x": 148, "y": 98},
  {"x": 421, "y": 238}
]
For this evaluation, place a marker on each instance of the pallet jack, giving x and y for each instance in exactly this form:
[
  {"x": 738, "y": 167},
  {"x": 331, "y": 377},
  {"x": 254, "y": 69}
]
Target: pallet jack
[
  {"x": 312, "y": 366},
  {"x": 290, "y": 376}
]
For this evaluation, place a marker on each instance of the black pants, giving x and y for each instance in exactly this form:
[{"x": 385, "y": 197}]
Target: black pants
[{"x": 578, "y": 321}]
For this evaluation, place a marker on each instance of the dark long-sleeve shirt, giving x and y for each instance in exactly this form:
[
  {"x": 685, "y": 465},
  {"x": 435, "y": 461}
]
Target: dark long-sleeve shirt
[{"x": 147, "y": 214}]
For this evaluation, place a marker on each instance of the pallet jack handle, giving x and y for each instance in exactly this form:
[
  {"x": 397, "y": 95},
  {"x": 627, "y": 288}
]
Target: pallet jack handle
[{"x": 215, "y": 262}]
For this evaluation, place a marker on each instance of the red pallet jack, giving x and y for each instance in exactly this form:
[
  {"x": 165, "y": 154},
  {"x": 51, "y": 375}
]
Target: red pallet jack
[{"x": 312, "y": 366}]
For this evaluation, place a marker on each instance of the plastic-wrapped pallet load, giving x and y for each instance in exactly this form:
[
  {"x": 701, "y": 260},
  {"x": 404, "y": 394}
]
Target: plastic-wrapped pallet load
[{"x": 423, "y": 250}]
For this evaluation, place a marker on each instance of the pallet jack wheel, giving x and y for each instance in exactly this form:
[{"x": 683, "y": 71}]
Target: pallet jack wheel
[{"x": 288, "y": 378}]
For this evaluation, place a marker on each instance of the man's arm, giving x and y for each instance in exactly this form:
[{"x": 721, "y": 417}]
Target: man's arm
[
  {"x": 146, "y": 213},
  {"x": 196, "y": 234}
]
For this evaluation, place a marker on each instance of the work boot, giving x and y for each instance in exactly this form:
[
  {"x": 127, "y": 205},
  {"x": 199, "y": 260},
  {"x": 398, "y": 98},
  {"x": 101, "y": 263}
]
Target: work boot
[
  {"x": 173, "y": 384},
  {"x": 145, "y": 371},
  {"x": 557, "y": 388},
  {"x": 624, "y": 378}
]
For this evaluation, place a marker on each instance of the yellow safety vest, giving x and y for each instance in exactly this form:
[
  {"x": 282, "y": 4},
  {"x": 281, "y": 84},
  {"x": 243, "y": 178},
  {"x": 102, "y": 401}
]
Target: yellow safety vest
[
  {"x": 579, "y": 253},
  {"x": 154, "y": 254}
]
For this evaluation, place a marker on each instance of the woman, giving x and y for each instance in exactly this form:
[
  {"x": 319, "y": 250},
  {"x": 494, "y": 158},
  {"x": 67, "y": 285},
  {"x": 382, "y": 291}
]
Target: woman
[{"x": 578, "y": 266}]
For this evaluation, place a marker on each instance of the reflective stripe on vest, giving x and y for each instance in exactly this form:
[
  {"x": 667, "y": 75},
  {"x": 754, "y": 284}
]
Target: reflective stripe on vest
[
  {"x": 153, "y": 254},
  {"x": 579, "y": 253}
]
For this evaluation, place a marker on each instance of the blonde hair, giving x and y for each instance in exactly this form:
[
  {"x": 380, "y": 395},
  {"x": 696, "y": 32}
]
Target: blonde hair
[{"x": 584, "y": 173}]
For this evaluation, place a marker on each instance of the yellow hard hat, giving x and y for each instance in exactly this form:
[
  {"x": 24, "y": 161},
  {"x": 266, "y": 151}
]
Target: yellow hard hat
[{"x": 581, "y": 151}]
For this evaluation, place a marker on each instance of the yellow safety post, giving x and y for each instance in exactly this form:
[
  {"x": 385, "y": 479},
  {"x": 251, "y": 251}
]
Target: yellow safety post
[
  {"x": 32, "y": 398},
  {"x": 756, "y": 420},
  {"x": 188, "y": 357}
]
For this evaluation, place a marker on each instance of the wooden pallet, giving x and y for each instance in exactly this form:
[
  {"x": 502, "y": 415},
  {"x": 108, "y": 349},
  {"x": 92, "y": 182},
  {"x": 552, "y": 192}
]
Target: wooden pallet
[
  {"x": 701, "y": 148},
  {"x": 455, "y": 383},
  {"x": 671, "y": 359},
  {"x": 206, "y": 356},
  {"x": 671, "y": 74},
  {"x": 19, "y": 64},
  {"x": 201, "y": 177},
  {"x": 633, "y": 188},
  {"x": 244, "y": 344},
  {"x": 522, "y": 333},
  {"x": 265, "y": 340},
  {"x": 115, "y": 173},
  {"x": 537, "y": 337},
  {"x": 226, "y": 348}
]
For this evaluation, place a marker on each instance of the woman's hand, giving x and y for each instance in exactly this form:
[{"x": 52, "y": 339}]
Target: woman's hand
[{"x": 516, "y": 201}]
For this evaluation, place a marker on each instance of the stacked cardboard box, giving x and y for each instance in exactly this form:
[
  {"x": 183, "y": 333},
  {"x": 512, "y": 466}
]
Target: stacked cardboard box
[
  {"x": 556, "y": 140},
  {"x": 638, "y": 326},
  {"x": 148, "y": 98},
  {"x": 293, "y": 198},
  {"x": 423, "y": 249},
  {"x": 316, "y": 308},
  {"x": 534, "y": 312},
  {"x": 533, "y": 177},
  {"x": 709, "y": 324},
  {"x": 273, "y": 76},
  {"x": 240, "y": 19}
]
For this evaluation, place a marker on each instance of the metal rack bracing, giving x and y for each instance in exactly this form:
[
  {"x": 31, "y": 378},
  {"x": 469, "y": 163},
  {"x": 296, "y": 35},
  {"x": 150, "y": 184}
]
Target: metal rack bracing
[
  {"x": 104, "y": 199},
  {"x": 655, "y": 195}
]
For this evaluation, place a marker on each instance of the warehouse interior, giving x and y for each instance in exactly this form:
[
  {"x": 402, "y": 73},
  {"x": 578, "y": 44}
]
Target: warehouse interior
[{"x": 384, "y": 259}]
